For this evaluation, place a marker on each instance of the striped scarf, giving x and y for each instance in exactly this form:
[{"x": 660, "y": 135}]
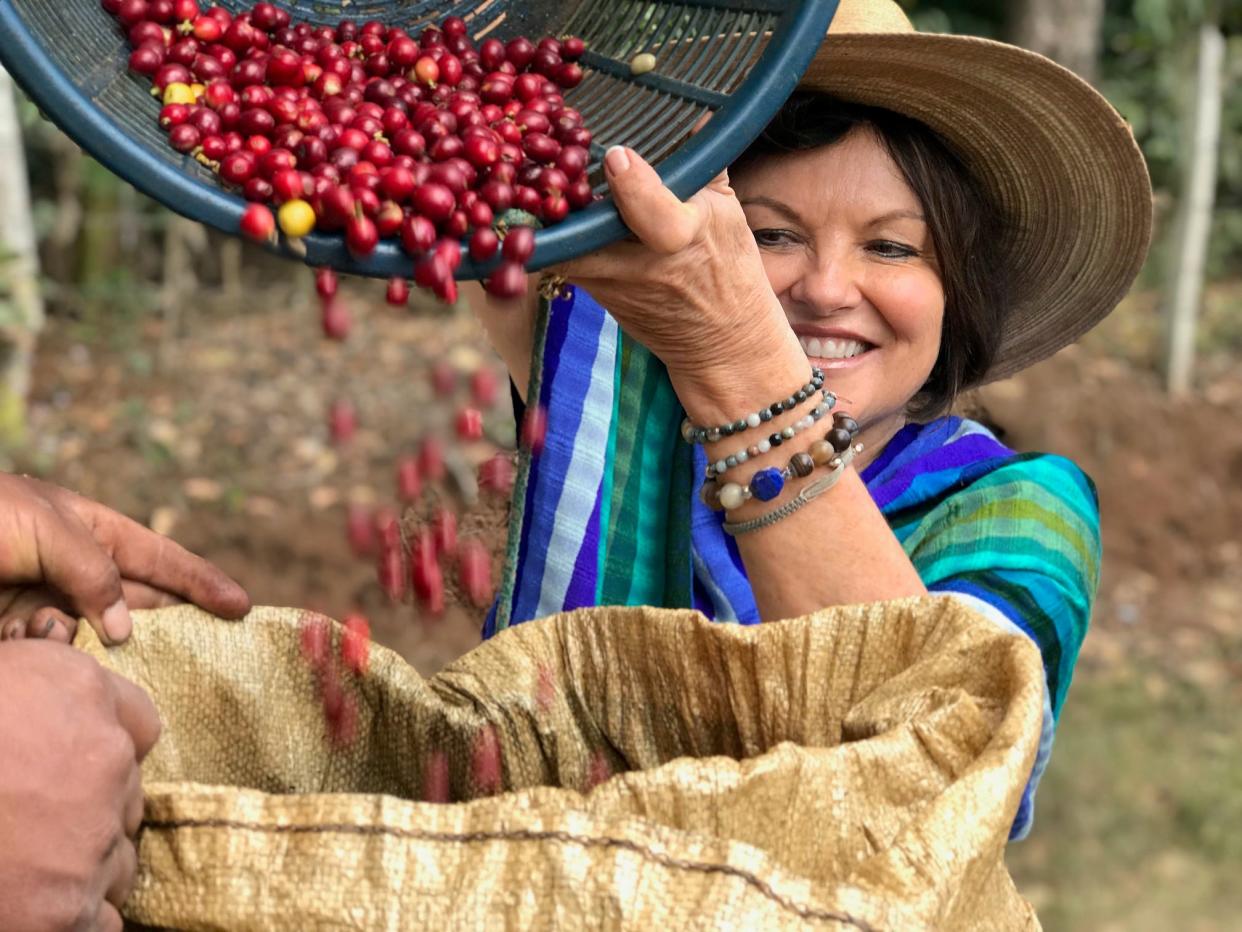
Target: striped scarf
[{"x": 609, "y": 513}]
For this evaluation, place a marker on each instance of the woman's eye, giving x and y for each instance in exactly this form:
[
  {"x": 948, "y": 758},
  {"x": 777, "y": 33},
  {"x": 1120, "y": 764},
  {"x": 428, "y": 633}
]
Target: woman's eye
[
  {"x": 770, "y": 238},
  {"x": 887, "y": 249}
]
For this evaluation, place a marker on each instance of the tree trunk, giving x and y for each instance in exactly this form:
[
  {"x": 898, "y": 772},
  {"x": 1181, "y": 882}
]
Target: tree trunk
[
  {"x": 21, "y": 305},
  {"x": 1194, "y": 222},
  {"x": 1067, "y": 31}
]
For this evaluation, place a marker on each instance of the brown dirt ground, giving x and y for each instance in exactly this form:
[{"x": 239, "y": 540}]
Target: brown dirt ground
[{"x": 216, "y": 434}]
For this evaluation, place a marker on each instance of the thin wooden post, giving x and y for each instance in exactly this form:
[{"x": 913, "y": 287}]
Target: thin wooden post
[
  {"x": 1195, "y": 212},
  {"x": 19, "y": 273}
]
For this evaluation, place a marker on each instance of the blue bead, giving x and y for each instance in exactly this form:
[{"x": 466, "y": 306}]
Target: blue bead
[{"x": 766, "y": 484}]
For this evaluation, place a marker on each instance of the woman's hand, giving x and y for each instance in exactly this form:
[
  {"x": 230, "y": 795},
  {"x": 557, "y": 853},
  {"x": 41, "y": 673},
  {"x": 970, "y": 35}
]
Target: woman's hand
[
  {"x": 693, "y": 291},
  {"x": 62, "y": 556}
]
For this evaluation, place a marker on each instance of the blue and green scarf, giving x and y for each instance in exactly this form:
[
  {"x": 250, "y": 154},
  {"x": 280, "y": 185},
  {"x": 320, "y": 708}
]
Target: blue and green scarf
[{"x": 608, "y": 513}]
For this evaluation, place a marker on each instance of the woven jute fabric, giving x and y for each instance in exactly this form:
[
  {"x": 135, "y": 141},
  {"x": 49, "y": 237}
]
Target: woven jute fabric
[{"x": 856, "y": 768}]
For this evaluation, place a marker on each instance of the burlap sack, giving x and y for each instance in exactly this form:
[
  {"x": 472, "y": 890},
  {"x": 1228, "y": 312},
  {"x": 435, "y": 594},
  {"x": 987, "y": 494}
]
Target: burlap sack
[{"x": 858, "y": 768}]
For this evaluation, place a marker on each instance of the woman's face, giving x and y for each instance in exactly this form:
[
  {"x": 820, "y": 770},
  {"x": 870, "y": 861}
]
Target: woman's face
[{"x": 849, "y": 255}]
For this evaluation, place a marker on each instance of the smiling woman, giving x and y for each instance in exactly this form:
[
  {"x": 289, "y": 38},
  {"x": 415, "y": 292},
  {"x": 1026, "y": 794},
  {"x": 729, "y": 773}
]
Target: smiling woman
[
  {"x": 916, "y": 210},
  {"x": 912, "y": 224}
]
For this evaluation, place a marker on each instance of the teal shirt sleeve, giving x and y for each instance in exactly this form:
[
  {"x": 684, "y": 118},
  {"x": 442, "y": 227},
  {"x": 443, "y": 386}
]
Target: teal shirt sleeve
[{"x": 1025, "y": 538}]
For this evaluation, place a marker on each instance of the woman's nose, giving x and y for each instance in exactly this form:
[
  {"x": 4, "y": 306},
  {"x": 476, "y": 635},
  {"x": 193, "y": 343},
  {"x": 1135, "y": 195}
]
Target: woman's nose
[{"x": 828, "y": 283}]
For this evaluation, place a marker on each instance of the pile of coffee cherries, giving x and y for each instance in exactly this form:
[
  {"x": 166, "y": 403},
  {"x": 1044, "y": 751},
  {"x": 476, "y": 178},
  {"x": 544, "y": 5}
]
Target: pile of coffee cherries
[{"x": 373, "y": 132}]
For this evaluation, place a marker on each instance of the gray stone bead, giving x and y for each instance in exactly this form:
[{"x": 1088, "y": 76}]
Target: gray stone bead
[
  {"x": 788, "y": 433},
  {"x": 730, "y": 461},
  {"x": 713, "y": 434},
  {"x": 753, "y": 420},
  {"x": 765, "y": 415}
]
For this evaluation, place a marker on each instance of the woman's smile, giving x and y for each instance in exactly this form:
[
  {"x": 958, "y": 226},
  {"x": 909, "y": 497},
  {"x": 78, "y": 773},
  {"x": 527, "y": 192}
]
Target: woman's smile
[
  {"x": 853, "y": 265},
  {"x": 835, "y": 350}
]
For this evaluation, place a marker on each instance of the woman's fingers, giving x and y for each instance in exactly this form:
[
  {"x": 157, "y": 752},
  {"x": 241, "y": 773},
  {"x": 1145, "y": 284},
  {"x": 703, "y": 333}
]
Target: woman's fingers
[{"x": 652, "y": 211}]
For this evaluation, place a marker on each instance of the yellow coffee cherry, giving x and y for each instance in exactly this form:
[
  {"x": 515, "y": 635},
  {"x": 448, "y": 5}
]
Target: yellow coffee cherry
[
  {"x": 178, "y": 93},
  {"x": 642, "y": 63},
  {"x": 296, "y": 218}
]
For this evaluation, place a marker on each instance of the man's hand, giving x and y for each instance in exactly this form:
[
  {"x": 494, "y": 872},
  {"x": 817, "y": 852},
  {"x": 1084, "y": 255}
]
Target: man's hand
[
  {"x": 73, "y": 735},
  {"x": 62, "y": 556}
]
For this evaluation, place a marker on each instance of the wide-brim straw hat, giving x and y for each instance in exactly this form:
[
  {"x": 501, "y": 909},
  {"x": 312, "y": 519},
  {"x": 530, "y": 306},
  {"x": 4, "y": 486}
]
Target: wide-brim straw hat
[{"x": 1058, "y": 161}]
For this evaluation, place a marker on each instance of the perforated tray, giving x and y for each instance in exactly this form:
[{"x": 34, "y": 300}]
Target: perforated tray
[{"x": 737, "y": 58}]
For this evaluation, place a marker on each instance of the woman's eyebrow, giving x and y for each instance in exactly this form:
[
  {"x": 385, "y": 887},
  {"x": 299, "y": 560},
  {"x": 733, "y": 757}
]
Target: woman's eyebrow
[
  {"x": 772, "y": 204},
  {"x": 896, "y": 215}
]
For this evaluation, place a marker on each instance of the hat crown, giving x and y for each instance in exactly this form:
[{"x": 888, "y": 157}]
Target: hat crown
[{"x": 869, "y": 16}]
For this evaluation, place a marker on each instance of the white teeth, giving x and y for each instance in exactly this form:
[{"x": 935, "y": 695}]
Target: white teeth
[{"x": 831, "y": 349}]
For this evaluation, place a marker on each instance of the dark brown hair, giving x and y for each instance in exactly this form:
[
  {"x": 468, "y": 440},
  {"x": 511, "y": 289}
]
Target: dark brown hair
[{"x": 965, "y": 228}]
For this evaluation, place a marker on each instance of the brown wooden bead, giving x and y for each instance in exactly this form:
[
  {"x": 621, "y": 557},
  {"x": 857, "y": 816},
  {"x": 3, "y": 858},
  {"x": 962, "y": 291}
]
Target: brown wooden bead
[
  {"x": 822, "y": 452},
  {"x": 840, "y": 439},
  {"x": 845, "y": 422},
  {"x": 802, "y": 464},
  {"x": 709, "y": 495},
  {"x": 752, "y": 451}
]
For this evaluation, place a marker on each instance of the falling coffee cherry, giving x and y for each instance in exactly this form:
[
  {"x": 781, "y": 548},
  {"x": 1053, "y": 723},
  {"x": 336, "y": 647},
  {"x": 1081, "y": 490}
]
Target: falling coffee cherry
[
  {"x": 496, "y": 474},
  {"x": 484, "y": 386},
  {"x": 356, "y": 643},
  {"x": 598, "y": 770},
  {"x": 475, "y": 569},
  {"x": 398, "y": 292},
  {"x": 360, "y": 530},
  {"x": 343, "y": 721},
  {"x": 426, "y": 577},
  {"x": 485, "y": 767},
  {"x": 391, "y": 573},
  {"x": 335, "y": 319},
  {"x": 409, "y": 479},
  {"x": 342, "y": 421},
  {"x": 443, "y": 379},
  {"x": 444, "y": 531},
  {"x": 431, "y": 459},
  {"x": 325, "y": 283},
  {"x": 545, "y": 688},
  {"x": 315, "y": 635},
  {"x": 387, "y": 528},
  {"x": 534, "y": 429},
  {"x": 436, "y": 778},
  {"x": 470, "y": 424}
]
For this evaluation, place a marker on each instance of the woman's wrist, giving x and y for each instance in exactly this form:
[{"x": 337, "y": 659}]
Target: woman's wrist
[{"x": 720, "y": 393}]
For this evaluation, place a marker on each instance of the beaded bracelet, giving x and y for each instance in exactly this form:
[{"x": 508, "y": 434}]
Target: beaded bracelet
[
  {"x": 805, "y": 494},
  {"x": 721, "y": 466},
  {"x": 766, "y": 484},
  {"x": 692, "y": 434}
]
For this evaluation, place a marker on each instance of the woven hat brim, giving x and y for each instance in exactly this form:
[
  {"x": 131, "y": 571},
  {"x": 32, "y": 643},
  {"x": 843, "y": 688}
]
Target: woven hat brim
[{"x": 1059, "y": 161}]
